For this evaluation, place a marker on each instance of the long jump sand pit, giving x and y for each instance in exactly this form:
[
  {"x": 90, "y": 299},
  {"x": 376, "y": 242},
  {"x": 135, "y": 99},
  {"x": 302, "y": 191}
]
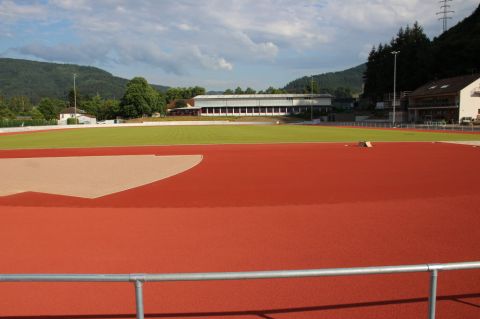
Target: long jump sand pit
[{"x": 88, "y": 176}]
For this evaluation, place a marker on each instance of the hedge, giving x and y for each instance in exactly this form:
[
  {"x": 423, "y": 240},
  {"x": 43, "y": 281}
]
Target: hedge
[{"x": 17, "y": 123}]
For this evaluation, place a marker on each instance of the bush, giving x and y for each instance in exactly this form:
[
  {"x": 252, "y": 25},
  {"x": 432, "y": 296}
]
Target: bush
[
  {"x": 71, "y": 121},
  {"x": 18, "y": 123}
]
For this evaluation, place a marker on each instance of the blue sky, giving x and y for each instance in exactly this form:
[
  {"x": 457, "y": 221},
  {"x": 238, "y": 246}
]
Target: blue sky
[{"x": 217, "y": 44}]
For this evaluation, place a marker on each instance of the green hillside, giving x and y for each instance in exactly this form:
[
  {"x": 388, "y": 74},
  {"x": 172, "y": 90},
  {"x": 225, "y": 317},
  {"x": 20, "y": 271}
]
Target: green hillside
[
  {"x": 350, "y": 79},
  {"x": 457, "y": 51},
  {"x": 41, "y": 79}
]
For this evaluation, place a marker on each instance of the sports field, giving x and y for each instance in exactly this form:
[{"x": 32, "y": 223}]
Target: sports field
[
  {"x": 187, "y": 135},
  {"x": 248, "y": 207}
]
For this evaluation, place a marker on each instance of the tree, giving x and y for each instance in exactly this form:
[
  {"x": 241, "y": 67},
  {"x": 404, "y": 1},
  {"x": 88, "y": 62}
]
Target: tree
[
  {"x": 173, "y": 94},
  {"x": 140, "y": 99},
  {"x": 238, "y": 90},
  {"x": 228, "y": 92},
  {"x": 272, "y": 90},
  {"x": 109, "y": 109},
  {"x": 20, "y": 105},
  {"x": 180, "y": 103},
  {"x": 36, "y": 114},
  {"x": 183, "y": 93},
  {"x": 413, "y": 63},
  {"x": 71, "y": 98},
  {"x": 5, "y": 112},
  {"x": 311, "y": 87},
  {"x": 50, "y": 108},
  {"x": 342, "y": 92},
  {"x": 160, "y": 105},
  {"x": 250, "y": 91},
  {"x": 197, "y": 90},
  {"x": 93, "y": 105}
]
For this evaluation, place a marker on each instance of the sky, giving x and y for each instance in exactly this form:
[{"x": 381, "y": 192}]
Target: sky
[{"x": 217, "y": 44}]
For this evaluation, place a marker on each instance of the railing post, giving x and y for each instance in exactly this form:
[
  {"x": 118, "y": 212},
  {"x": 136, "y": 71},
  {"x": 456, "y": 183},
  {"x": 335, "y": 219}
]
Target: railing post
[
  {"x": 433, "y": 294},
  {"x": 139, "y": 298}
]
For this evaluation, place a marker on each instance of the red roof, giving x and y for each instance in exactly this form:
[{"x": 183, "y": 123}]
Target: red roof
[{"x": 445, "y": 86}]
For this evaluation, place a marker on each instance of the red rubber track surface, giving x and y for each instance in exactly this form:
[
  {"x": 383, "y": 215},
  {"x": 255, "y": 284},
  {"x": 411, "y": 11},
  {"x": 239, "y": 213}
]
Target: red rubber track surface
[{"x": 255, "y": 207}]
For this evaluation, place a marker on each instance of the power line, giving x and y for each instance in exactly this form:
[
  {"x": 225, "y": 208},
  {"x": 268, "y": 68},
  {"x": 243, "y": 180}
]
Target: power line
[{"x": 445, "y": 11}]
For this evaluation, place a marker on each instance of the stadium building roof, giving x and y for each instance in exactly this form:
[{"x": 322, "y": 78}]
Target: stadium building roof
[
  {"x": 262, "y": 96},
  {"x": 71, "y": 110}
]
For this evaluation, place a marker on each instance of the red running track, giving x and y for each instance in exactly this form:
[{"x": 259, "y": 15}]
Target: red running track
[{"x": 256, "y": 207}]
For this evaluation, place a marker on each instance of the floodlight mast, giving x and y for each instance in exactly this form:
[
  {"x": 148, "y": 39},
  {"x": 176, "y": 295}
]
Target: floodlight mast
[
  {"x": 311, "y": 99},
  {"x": 75, "y": 97},
  {"x": 394, "y": 84}
]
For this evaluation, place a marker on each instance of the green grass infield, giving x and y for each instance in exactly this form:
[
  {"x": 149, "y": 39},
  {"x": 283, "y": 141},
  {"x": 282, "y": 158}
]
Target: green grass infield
[{"x": 178, "y": 135}]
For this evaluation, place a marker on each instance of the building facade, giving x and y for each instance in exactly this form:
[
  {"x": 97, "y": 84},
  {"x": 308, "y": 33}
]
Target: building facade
[
  {"x": 452, "y": 100},
  {"x": 82, "y": 116},
  {"x": 261, "y": 104}
]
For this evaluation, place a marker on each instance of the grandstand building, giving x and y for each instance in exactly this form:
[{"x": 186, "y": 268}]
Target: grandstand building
[{"x": 260, "y": 104}]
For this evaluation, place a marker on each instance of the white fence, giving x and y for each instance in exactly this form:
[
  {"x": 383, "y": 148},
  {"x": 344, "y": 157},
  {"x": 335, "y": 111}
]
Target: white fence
[{"x": 437, "y": 126}]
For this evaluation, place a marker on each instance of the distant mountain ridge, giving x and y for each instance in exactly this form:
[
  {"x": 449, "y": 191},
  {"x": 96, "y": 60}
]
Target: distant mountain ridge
[
  {"x": 37, "y": 80},
  {"x": 351, "y": 79}
]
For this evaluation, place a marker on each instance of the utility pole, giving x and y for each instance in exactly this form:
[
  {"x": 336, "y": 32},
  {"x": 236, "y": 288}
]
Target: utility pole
[
  {"x": 445, "y": 11},
  {"x": 311, "y": 99},
  {"x": 394, "y": 84},
  {"x": 75, "y": 97}
]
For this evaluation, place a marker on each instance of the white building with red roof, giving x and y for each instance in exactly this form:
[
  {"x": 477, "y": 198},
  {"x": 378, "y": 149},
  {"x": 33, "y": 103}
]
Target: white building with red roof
[{"x": 82, "y": 116}]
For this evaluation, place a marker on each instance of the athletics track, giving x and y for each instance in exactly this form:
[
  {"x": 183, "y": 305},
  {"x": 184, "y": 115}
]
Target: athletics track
[{"x": 255, "y": 207}]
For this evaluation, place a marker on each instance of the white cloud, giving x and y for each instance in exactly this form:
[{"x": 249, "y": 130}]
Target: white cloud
[
  {"x": 84, "y": 5},
  {"x": 186, "y": 27},
  {"x": 182, "y": 37},
  {"x": 208, "y": 61},
  {"x": 87, "y": 53},
  {"x": 267, "y": 50},
  {"x": 290, "y": 23},
  {"x": 11, "y": 10},
  {"x": 374, "y": 15}
]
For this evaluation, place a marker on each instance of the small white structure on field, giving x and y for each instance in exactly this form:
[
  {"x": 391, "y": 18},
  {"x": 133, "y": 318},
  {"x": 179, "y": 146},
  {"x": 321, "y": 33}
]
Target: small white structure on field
[
  {"x": 261, "y": 104},
  {"x": 82, "y": 116}
]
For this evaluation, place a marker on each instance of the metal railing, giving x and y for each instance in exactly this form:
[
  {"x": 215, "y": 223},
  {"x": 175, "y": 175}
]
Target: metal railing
[
  {"x": 139, "y": 279},
  {"x": 432, "y": 125}
]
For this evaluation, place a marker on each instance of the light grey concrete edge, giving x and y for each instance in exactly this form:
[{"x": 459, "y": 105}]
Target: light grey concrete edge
[
  {"x": 159, "y": 123},
  {"x": 471, "y": 143}
]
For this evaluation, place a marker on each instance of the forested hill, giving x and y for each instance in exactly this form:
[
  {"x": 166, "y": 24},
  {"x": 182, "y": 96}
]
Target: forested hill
[
  {"x": 36, "y": 80},
  {"x": 457, "y": 51},
  {"x": 420, "y": 60},
  {"x": 347, "y": 80}
]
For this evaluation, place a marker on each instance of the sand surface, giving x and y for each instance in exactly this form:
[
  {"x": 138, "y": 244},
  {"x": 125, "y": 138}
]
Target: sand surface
[{"x": 88, "y": 176}]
